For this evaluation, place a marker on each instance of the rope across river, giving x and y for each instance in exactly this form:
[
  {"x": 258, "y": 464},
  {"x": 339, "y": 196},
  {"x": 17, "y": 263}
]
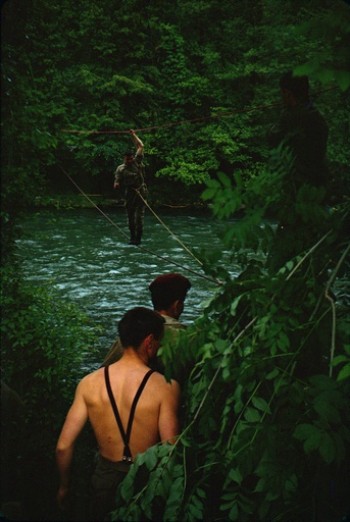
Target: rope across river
[{"x": 121, "y": 231}]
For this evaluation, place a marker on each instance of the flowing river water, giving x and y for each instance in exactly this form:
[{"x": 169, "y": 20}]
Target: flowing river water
[{"x": 89, "y": 261}]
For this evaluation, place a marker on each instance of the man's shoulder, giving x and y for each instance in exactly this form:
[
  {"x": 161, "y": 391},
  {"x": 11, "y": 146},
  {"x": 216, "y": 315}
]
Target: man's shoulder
[
  {"x": 91, "y": 379},
  {"x": 162, "y": 383},
  {"x": 171, "y": 322},
  {"x": 119, "y": 172}
]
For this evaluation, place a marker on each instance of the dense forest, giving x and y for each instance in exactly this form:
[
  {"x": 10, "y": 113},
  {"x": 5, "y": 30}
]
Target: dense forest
[{"x": 266, "y": 428}]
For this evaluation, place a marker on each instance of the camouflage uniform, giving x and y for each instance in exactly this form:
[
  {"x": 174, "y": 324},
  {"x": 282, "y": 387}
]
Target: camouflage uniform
[{"x": 132, "y": 183}]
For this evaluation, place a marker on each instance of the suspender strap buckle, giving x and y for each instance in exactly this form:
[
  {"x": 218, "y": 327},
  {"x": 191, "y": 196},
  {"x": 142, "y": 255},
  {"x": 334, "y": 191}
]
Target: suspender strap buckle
[{"x": 127, "y": 459}]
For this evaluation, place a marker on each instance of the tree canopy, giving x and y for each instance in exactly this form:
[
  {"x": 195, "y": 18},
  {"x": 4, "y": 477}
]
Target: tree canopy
[{"x": 189, "y": 75}]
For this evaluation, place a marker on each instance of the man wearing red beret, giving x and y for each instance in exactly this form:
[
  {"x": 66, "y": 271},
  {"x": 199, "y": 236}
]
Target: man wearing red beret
[{"x": 168, "y": 294}]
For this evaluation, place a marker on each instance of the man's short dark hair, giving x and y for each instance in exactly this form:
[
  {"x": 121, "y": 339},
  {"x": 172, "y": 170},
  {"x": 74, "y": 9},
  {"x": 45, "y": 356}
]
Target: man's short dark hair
[
  {"x": 129, "y": 154},
  {"x": 298, "y": 85},
  {"x": 168, "y": 288},
  {"x": 137, "y": 324}
]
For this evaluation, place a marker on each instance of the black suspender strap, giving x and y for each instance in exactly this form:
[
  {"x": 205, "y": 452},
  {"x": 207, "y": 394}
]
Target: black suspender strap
[
  {"x": 125, "y": 436},
  {"x": 115, "y": 409}
]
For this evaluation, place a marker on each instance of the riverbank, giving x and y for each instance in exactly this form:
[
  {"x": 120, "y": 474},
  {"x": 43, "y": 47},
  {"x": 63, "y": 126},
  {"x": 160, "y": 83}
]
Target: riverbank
[
  {"x": 71, "y": 201},
  {"x": 171, "y": 195}
]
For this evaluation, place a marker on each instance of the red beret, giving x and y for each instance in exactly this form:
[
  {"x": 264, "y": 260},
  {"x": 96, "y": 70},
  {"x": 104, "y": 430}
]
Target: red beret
[
  {"x": 170, "y": 282},
  {"x": 167, "y": 288}
]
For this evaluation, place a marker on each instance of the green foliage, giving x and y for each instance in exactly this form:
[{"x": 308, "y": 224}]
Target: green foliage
[
  {"x": 329, "y": 66},
  {"x": 44, "y": 343},
  {"x": 266, "y": 420},
  {"x": 265, "y": 426},
  {"x": 173, "y": 73}
]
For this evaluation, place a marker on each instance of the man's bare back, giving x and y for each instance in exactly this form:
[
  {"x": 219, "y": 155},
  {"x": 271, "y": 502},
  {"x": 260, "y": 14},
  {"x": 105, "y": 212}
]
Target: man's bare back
[
  {"x": 156, "y": 409},
  {"x": 155, "y": 417}
]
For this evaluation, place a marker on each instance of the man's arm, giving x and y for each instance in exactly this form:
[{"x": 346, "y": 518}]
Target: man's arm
[
  {"x": 116, "y": 184},
  {"x": 168, "y": 423},
  {"x": 74, "y": 423},
  {"x": 138, "y": 143}
]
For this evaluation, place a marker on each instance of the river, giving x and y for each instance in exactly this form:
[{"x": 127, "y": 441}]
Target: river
[{"x": 87, "y": 259}]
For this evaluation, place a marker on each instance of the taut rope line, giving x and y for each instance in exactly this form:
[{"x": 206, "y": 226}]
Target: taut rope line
[
  {"x": 163, "y": 258},
  {"x": 92, "y": 203},
  {"x": 168, "y": 229}
]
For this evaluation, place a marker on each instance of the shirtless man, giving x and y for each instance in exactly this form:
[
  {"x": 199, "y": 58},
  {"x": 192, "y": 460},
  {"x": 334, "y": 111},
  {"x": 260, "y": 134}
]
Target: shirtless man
[{"x": 155, "y": 419}]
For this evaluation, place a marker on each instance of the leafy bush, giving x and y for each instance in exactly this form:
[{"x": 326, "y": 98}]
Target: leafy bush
[{"x": 44, "y": 343}]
